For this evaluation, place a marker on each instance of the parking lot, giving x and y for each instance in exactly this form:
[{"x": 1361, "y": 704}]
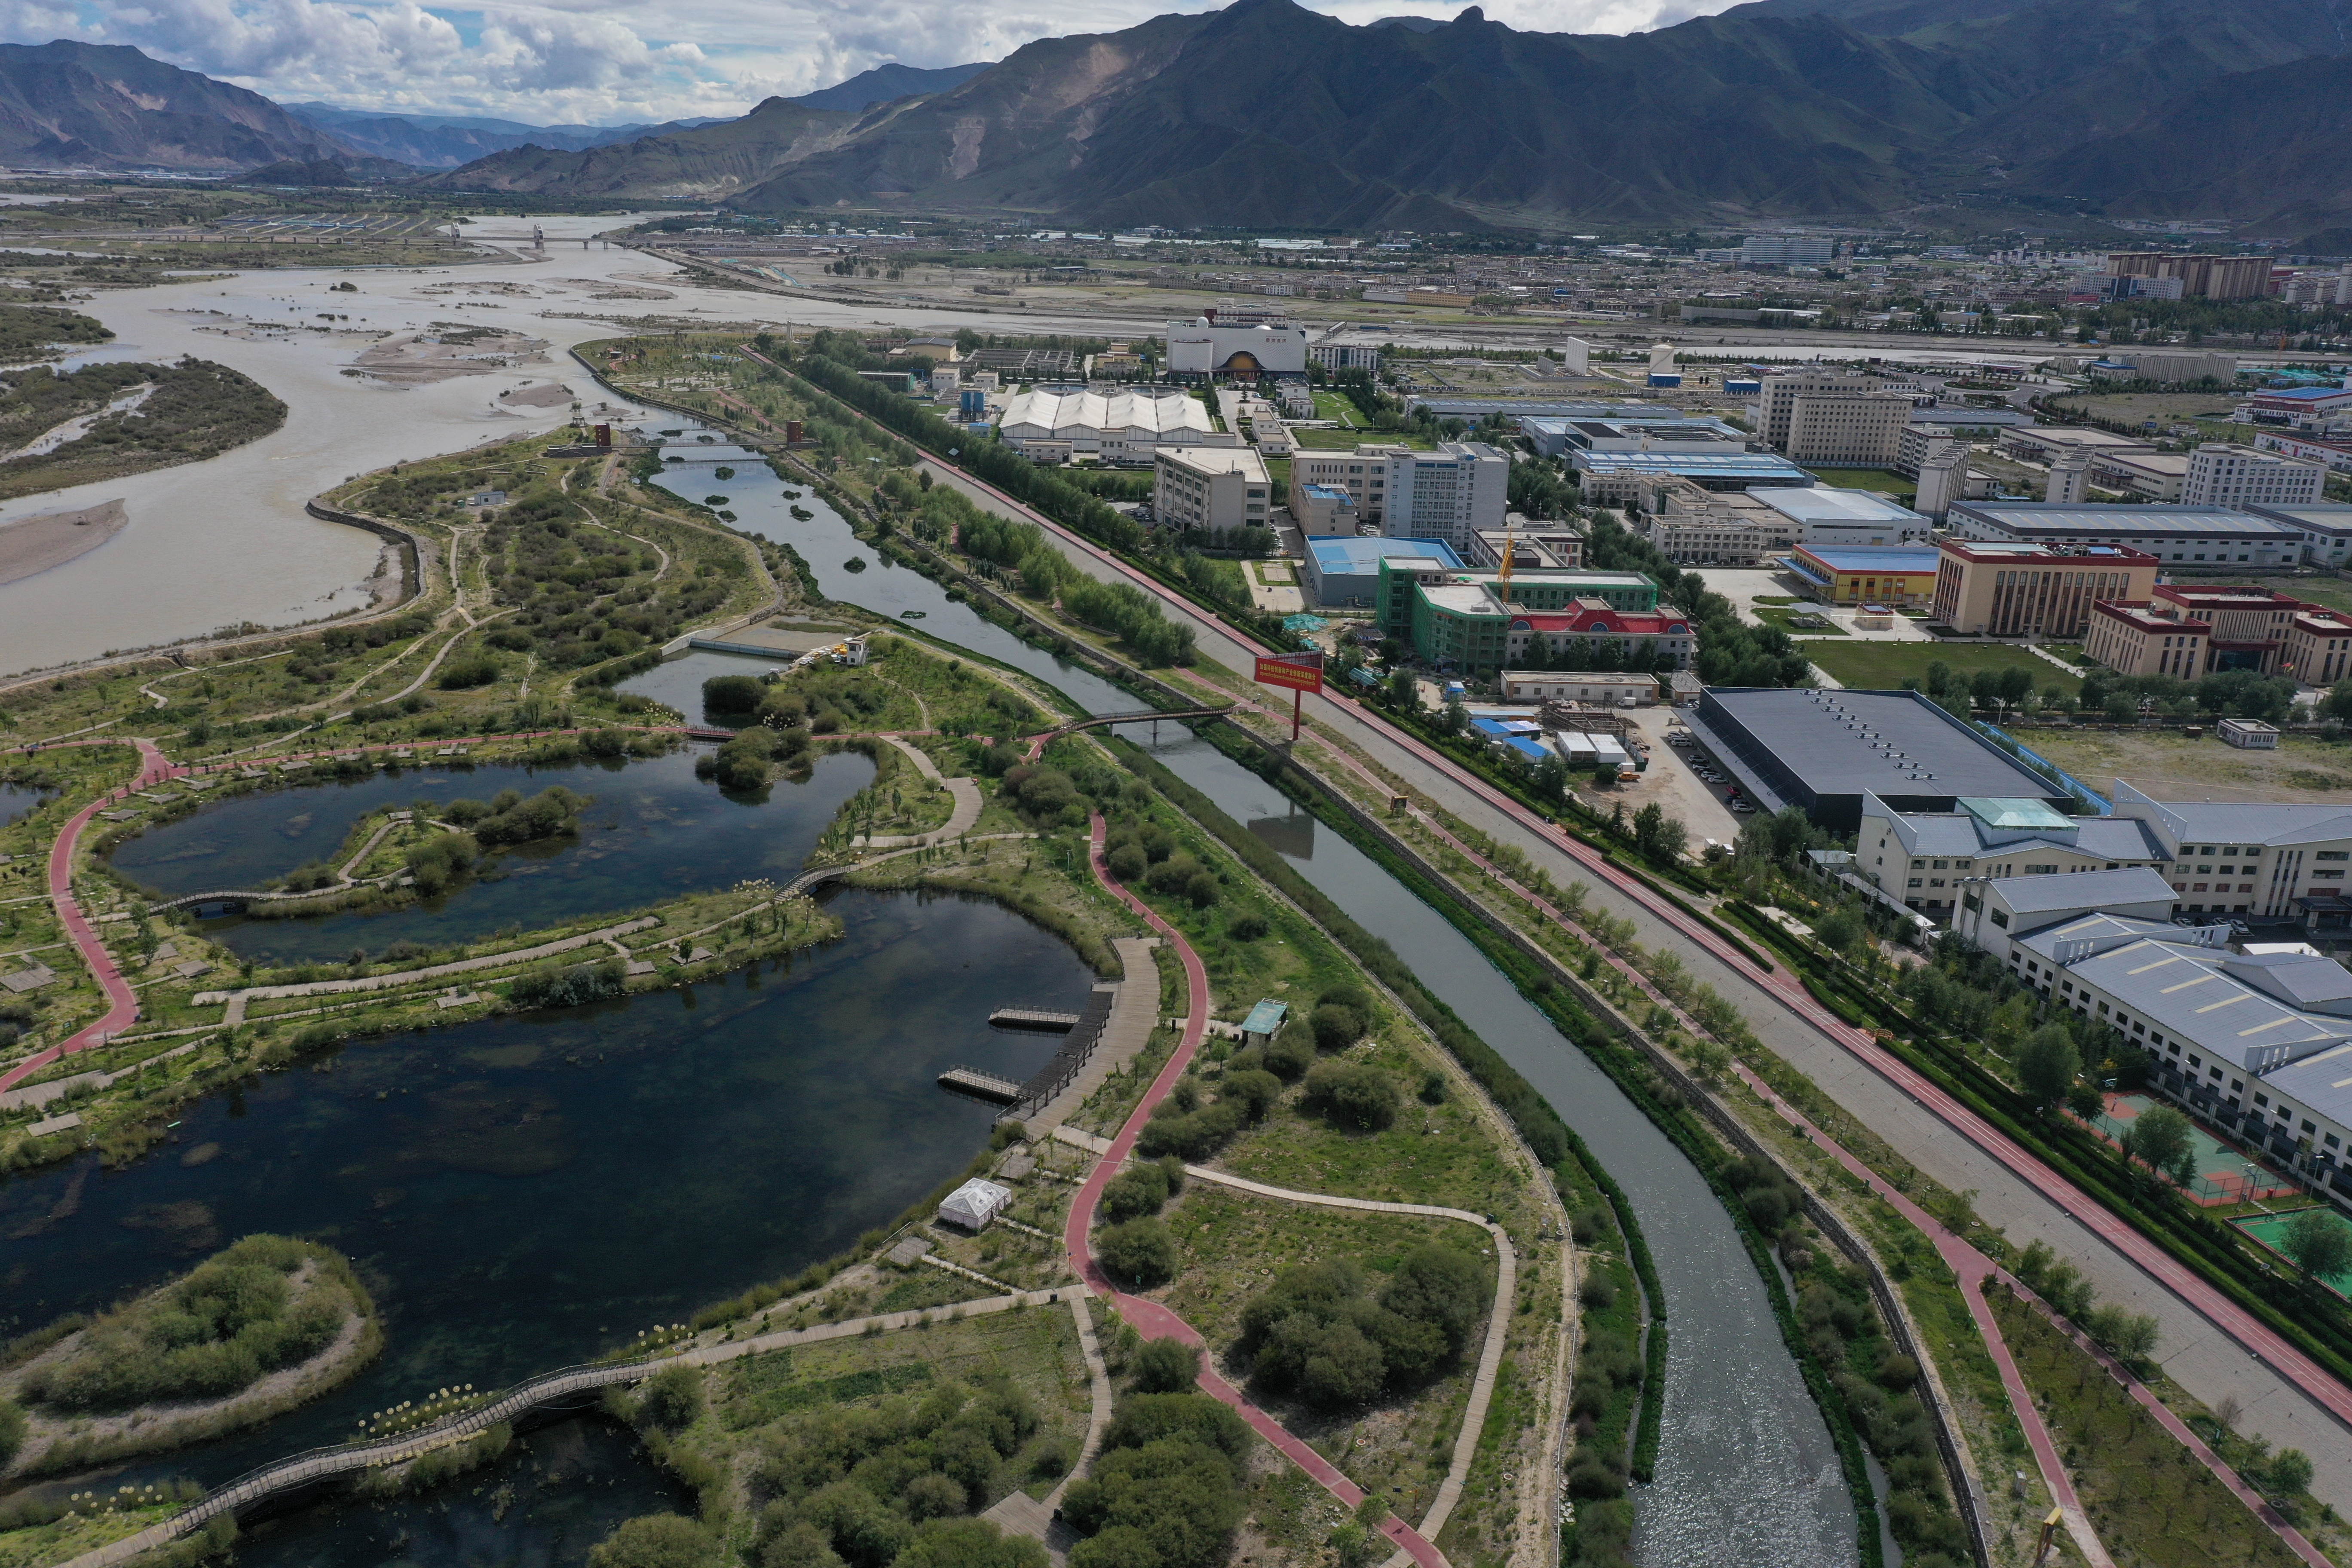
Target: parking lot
[{"x": 1671, "y": 781}]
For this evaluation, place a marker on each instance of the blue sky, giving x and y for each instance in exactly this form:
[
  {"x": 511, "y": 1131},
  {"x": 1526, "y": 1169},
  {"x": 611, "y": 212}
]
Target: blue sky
[{"x": 604, "y": 62}]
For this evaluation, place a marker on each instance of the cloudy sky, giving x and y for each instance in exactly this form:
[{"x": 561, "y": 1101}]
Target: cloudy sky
[{"x": 604, "y": 62}]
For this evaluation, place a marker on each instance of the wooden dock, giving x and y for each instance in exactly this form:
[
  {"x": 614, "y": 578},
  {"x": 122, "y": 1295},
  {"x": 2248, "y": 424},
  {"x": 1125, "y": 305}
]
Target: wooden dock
[
  {"x": 981, "y": 1085},
  {"x": 1033, "y": 1018}
]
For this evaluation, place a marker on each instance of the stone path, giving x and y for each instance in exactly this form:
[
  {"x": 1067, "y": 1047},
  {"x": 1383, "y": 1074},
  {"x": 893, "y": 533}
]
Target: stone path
[
  {"x": 968, "y": 803},
  {"x": 412, "y": 976}
]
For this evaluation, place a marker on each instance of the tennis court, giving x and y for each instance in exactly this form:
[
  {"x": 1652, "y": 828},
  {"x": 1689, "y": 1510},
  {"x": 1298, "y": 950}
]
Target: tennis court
[
  {"x": 2265, "y": 1228},
  {"x": 2221, "y": 1176}
]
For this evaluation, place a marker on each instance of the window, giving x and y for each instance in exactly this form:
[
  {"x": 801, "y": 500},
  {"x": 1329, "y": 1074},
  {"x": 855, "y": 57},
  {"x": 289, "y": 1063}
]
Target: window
[{"x": 1999, "y": 918}]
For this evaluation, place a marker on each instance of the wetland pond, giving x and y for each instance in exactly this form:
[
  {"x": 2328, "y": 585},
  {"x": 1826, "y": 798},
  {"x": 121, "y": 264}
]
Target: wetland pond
[
  {"x": 525, "y": 1192},
  {"x": 652, "y": 831}
]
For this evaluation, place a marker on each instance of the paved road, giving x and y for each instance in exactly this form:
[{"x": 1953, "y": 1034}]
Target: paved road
[
  {"x": 2212, "y": 1349},
  {"x": 1150, "y": 1319}
]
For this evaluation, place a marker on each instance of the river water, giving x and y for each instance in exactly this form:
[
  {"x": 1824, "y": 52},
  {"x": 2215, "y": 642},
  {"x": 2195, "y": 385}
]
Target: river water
[
  {"x": 480, "y": 1174},
  {"x": 1746, "y": 1477},
  {"x": 652, "y": 831}
]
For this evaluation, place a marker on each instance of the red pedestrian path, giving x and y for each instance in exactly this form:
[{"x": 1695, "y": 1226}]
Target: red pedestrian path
[
  {"x": 2251, "y": 1333},
  {"x": 1150, "y": 1319}
]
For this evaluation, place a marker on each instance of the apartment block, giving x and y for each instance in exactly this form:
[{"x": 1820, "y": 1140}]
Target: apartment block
[
  {"x": 2201, "y": 277},
  {"x": 1846, "y": 429},
  {"x": 2224, "y": 474}
]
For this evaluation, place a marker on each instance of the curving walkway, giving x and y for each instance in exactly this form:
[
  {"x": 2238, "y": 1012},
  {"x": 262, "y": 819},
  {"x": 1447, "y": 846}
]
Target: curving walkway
[
  {"x": 1152, "y": 1319},
  {"x": 968, "y": 804},
  {"x": 1490, "y": 1354}
]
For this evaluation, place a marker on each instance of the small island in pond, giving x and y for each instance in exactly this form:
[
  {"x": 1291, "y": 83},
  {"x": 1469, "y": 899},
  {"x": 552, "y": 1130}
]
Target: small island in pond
[{"x": 269, "y": 1323}]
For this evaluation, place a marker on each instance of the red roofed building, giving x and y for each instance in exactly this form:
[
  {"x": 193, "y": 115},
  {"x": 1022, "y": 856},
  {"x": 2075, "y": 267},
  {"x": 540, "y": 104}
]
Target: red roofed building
[
  {"x": 1595, "y": 624},
  {"x": 2131, "y": 636},
  {"x": 2318, "y": 650}
]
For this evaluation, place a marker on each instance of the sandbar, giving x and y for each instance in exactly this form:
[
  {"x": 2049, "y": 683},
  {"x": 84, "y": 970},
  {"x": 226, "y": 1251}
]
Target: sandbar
[{"x": 32, "y": 545}]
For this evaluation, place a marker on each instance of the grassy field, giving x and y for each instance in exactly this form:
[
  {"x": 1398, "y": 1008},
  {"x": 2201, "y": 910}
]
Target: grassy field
[
  {"x": 1884, "y": 665},
  {"x": 1886, "y": 481},
  {"x": 1336, "y": 405},
  {"x": 2169, "y": 764},
  {"x": 2153, "y": 1506},
  {"x": 1779, "y": 615}
]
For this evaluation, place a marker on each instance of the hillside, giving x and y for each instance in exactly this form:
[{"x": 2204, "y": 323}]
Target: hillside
[
  {"x": 1265, "y": 113},
  {"x": 885, "y": 83},
  {"x": 73, "y": 105},
  {"x": 445, "y": 141},
  {"x": 699, "y": 164}
]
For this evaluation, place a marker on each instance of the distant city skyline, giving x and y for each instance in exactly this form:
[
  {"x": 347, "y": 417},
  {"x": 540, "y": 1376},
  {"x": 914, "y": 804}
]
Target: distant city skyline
[{"x": 602, "y": 62}]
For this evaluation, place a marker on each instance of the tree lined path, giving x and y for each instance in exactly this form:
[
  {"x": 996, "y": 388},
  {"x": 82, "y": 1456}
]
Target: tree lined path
[{"x": 1149, "y": 1318}]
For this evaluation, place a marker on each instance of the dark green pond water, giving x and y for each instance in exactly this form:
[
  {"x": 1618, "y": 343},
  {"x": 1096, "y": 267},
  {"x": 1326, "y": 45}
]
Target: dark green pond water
[
  {"x": 654, "y": 832},
  {"x": 524, "y": 1193}
]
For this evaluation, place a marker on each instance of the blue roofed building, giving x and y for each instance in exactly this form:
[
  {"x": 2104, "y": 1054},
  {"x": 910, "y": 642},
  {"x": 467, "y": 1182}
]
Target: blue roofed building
[{"x": 1344, "y": 572}]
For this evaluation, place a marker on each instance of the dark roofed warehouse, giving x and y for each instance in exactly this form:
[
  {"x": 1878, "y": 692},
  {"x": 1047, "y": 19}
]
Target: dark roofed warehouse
[{"x": 1823, "y": 751}]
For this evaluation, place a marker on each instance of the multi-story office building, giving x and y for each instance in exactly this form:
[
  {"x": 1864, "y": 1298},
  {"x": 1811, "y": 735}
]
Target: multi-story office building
[
  {"x": 1787, "y": 251},
  {"x": 2222, "y": 474},
  {"x": 1449, "y": 493},
  {"x": 1210, "y": 486},
  {"x": 1777, "y": 406},
  {"x": 2318, "y": 647},
  {"x": 2131, "y": 637},
  {"x": 1846, "y": 429},
  {"x": 1985, "y": 589}
]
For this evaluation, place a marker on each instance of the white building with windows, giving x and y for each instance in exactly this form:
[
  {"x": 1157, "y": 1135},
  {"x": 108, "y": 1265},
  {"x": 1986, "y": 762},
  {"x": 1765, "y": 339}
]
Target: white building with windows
[
  {"x": 1923, "y": 859},
  {"x": 2223, "y": 474},
  {"x": 1210, "y": 486},
  {"x": 1449, "y": 493}
]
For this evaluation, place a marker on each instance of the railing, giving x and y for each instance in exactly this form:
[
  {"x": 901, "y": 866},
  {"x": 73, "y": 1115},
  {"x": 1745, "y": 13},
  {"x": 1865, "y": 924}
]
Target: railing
[{"x": 302, "y": 1469}]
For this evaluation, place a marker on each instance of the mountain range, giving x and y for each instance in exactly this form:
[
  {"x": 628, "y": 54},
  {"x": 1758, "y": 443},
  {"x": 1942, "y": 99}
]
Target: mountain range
[{"x": 1267, "y": 114}]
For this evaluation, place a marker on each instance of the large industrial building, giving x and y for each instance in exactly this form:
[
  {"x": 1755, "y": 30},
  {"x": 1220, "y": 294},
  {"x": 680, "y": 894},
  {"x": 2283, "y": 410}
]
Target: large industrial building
[
  {"x": 1901, "y": 576},
  {"x": 2191, "y": 537},
  {"x": 1825, "y": 751},
  {"x": 2326, "y": 529},
  {"x": 1827, "y": 514},
  {"x": 1125, "y": 426},
  {"x": 1613, "y": 478},
  {"x": 1657, "y": 431}
]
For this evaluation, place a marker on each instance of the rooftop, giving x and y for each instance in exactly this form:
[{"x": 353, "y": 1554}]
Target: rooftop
[
  {"x": 2301, "y": 394},
  {"x": 1363, "y": 556},
  {"x": 1879, "y": 558},
  {"x": 2331, "y": 516},
  {"x": 1827, "y": 503},
  {"x": 2085, "y": 890},
  {"x": 1754, "y": 468},
  {"x": 2043, "y": 518},
  {"x": 1892, "y": 743}
]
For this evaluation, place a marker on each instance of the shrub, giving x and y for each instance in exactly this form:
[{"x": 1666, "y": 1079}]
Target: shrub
[
  {"x": 1135, "y": 1193},
  {"x": 561, "y": 986},
  {"x": 1353, "y": 1095},
  {"x": 1248, "y": 928},
  {"x": 731, "y": 694},
  {"x": 11, "y": 1432},
  {"x": 970, "y": 1543},
  {"x": 1318, "y": 1332},
  {"x": 1140, "y": 1252},
  {"x": 230, "y": 1321},
  {"x": 671, "y": 1398},
  {"x": 467, "y": 673},
  {"x": 1127, "y": 862},
  {"x": 1167, "y": 1366},
  {"x": 1253, "y": 1089},
  {"x": 656, "y": 1541}
]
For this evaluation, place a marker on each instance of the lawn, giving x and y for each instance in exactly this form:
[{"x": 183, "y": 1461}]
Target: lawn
[
  {"x": 2153, "y": 1506},
  {"x": 1884, "y": 665},
  {"x": 1347, "y": 440},
  {"x": 1339, "y": 406},
  {"x": 2266, "y": 1231},
  {"x": 1781, "y": 616},
  {"x": 1886, "y": 481},
  {"x": 2170, "y": 765}
]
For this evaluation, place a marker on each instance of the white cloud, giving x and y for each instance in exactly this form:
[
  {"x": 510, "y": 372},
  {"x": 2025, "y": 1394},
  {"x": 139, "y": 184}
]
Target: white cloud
[{"x": 570, "y": 61}]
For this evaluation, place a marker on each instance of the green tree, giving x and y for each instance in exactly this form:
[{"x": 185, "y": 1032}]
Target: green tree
[
  {"x": 2047, "y": 1065},
  {"x": 1167, "y": 1366},
  {"x": 2161, "y": 1139},
  {"x": 11, "y": 1432},
  {"x": 970, "y": 1543},
  {"x": 2318, "y": 1243},
  {"x": 1140, "y": 1254},
  {"x": 656, "y": 1541}
]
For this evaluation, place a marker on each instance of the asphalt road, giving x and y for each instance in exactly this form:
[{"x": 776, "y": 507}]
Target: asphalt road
[{"x": 2197, "y": 1355}]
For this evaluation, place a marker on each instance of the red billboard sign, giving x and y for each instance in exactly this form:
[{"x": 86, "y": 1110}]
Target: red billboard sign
[{"x": 1292, "y": 672}]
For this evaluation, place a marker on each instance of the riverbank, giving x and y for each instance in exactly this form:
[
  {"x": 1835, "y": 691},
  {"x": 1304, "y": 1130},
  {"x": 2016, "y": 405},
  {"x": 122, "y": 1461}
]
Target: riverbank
[{"x": 30, "y": 545}]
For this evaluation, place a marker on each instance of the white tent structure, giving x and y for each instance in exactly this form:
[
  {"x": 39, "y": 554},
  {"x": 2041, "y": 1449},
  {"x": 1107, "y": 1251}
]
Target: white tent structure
[{"x": 972, "y": 1205}]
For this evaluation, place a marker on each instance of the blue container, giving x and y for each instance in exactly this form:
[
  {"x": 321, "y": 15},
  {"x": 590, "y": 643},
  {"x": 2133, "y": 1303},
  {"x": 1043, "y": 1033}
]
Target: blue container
[
  {"x": 1665, "y": 378},
  {"x": 975, "y": 405}
]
